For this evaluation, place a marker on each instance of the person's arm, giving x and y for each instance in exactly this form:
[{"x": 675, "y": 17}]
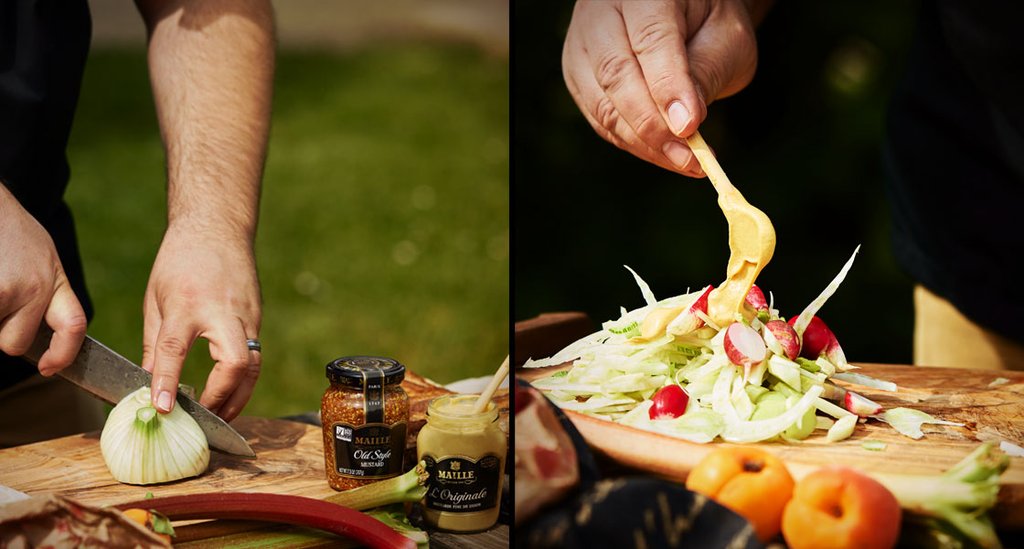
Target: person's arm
[
  {"x": 34, "y": 289},
  {"x": 643, "y": 72},
  {"x": 211, "y": 67}
]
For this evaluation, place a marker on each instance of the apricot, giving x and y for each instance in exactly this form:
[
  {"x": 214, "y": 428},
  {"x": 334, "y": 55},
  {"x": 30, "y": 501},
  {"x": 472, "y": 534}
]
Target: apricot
[
  {"x": 839, "y": 508},
  {"x": 751, "y": 482}
]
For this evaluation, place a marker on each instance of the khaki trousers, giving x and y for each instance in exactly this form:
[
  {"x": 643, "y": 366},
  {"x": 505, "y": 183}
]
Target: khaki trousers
[
  {"x": 42, "y": 408},
  {"x": 944, "y": 337}
]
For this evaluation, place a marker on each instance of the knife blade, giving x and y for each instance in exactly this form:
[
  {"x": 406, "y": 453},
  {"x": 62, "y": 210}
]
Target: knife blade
[{"x": 110, "y": 377}]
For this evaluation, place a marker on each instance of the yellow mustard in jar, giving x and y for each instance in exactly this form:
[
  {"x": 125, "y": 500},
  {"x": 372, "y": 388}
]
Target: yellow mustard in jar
[
  {"x": 365, "y": 414},
  {"x": 464, "y": 453}
]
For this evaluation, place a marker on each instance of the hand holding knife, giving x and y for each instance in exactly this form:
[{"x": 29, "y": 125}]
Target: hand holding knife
[{"x": 110, "y": 377}]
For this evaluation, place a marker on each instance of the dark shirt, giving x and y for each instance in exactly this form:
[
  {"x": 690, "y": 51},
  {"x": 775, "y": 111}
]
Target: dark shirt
[
  {"x": 43, "y": 46},
  {"x": 955, "y": 157}
]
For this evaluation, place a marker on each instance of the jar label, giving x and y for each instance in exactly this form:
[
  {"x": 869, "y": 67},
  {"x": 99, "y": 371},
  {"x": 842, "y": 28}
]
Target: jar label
[
  {"x": 461, "y": 485},
  {"x": 374, "y": 450}
]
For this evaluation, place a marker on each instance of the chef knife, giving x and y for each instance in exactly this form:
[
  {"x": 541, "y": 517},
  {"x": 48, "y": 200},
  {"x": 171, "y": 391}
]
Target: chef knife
[{"x": 110, "y": 377}]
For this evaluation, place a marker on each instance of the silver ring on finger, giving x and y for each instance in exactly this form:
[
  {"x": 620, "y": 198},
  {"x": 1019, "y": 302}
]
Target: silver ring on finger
[{"x": 254, "y": 345}]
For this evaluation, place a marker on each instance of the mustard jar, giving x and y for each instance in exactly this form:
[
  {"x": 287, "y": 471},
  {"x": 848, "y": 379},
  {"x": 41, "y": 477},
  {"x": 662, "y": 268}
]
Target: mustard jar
[
  {"x": 365, "y": 414},
  {"x": 464, "y": 453}
]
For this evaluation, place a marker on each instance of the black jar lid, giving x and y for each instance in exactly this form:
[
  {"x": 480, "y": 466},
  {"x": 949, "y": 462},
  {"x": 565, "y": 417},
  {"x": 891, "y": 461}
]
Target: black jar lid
[{"x": 353, "y": 370}]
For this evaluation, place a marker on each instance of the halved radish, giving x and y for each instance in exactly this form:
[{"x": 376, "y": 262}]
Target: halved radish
[
  {"x": 668, "y": 403},
  {"x": 755, "y": 298},
  {"x": 781, "y": 339},
  {"x": 744, "y": 346},
  {"x": 816, "y": 337},
  {"x": 688, "y": 321},
  {"x": 861, "y": 405}
]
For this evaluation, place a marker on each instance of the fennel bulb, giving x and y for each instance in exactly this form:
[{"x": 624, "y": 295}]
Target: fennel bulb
[{"x": 143, "y": 446}]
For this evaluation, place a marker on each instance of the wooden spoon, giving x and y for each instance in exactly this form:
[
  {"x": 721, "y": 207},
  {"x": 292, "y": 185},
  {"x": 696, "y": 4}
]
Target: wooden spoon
[
  {"x": 751, "y": 238},
  {"x": 485, "y": 397}
]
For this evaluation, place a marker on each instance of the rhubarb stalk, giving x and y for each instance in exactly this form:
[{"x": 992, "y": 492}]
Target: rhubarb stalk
[{"x": 297, "y": 510}]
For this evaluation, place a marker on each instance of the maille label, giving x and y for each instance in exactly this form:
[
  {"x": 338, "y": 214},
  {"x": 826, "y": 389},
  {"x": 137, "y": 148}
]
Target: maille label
[
  {"x": 461, "y": 485},
  {"x": 369, "y": 451}
]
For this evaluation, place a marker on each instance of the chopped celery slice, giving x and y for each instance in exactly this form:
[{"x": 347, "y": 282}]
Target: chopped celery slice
[
  {"x": 786, "y": 370},
  {"x": 754, "y": 431},
  {"x": 832, "y": 410},
  {"x": 873, "y": 445},
  {"x": 842, "y": 429}
]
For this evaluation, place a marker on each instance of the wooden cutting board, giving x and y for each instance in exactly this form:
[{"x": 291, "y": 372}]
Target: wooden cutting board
[
  {"x": 990, "y": 413},
  {"x": 289, "y": 460}
]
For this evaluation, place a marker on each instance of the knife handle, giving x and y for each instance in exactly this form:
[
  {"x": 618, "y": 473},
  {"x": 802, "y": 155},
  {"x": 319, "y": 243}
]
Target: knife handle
[{"x": 39, "y": 345}]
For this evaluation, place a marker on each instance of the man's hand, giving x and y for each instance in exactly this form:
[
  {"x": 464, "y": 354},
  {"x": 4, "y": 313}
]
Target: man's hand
[
  {"x": 644, "y": 71},
  {"x": 211, "y": 63},
  {"x": 203, "y": 285},
  {"x": 33, "y": 288}
]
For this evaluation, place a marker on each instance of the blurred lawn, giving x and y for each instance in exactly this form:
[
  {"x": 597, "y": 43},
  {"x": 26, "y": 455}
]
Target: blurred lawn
[{"x": 384, "y": 222}]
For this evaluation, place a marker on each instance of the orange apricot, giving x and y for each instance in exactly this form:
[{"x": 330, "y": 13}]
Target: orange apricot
[
  {"x": 749, "y": 481},
  {"x": 840, "y": 508}
]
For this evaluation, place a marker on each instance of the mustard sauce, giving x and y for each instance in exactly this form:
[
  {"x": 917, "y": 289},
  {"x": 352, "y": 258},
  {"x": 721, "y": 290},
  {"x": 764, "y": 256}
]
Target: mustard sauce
[{"x": 465, "y": 457}]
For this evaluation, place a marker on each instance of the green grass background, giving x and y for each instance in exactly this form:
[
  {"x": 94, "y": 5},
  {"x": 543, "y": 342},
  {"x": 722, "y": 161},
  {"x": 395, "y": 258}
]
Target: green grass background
[{"x": 384, "y": 220}]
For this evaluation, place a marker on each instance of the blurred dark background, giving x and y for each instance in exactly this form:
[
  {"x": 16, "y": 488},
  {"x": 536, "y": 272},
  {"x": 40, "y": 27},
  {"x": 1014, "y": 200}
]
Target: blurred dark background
[{"x": 802, "y": 143}]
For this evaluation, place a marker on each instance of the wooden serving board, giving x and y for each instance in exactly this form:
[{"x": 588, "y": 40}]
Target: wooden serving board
[{"x": 990, "y": 413}]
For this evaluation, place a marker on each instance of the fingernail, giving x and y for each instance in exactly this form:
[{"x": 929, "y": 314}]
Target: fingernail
[
  {"x": 678, "y": 117},
  {"x": 679, "y": 155},
  {"x": 163, "y": 401}
]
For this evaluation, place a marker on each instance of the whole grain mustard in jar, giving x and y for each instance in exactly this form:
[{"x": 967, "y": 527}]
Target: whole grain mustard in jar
[
  {"x": 365, "y": 414},
  {"x": 464, "y": 453}
]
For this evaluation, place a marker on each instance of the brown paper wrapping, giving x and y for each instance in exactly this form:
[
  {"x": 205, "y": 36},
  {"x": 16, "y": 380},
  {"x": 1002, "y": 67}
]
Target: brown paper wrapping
[{"x": 58, "y": 522}]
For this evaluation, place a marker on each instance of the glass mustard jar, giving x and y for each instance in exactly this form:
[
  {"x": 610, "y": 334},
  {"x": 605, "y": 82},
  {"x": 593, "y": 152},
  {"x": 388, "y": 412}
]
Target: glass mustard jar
[
  {"x": 365, "y": 414},
  {"x": 465, "y": 457}
]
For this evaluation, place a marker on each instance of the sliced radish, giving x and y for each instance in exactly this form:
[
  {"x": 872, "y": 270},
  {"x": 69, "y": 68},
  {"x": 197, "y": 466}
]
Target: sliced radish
[
  {"x": 755, "y": 298},
  {"x": 861, "y": 405},
  {"x": 668, "y": 403},
  {"x": 688, "y": 320},
  {"x": 781, "y": 339},
  {"x": 744, "y": 346},
  {"x": 816, "y": 337}
]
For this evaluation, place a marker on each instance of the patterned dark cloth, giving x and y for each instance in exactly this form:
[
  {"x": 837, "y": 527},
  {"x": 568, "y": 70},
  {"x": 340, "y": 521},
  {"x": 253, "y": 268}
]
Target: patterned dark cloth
[{"x": 631, "y": 512}]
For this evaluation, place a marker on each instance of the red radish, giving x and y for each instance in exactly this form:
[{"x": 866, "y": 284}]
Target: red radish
[
  {"x": 688, "y": 321},
  {"x": 744, "y": 346},
  {"x": 668, "y": 403},
  {"x": 755, "y": 298},
  {"x": 816, "y": 337},
  {"x": 782, "y": 339},
  {"x": 861, "y": 405}
]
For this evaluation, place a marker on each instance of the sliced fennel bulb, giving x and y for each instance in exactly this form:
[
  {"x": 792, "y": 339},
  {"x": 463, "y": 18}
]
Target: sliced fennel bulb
[
  {"x": 613, "y": 375},
  {"x": 142, "y": 446}
]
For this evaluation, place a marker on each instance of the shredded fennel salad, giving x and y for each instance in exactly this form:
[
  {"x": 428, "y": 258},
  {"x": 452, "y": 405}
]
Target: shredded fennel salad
[{"x": 616, "y": 371}]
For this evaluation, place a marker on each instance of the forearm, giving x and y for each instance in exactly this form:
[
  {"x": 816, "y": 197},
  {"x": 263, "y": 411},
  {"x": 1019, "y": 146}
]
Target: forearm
[{"x": 211, "y": 67}]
